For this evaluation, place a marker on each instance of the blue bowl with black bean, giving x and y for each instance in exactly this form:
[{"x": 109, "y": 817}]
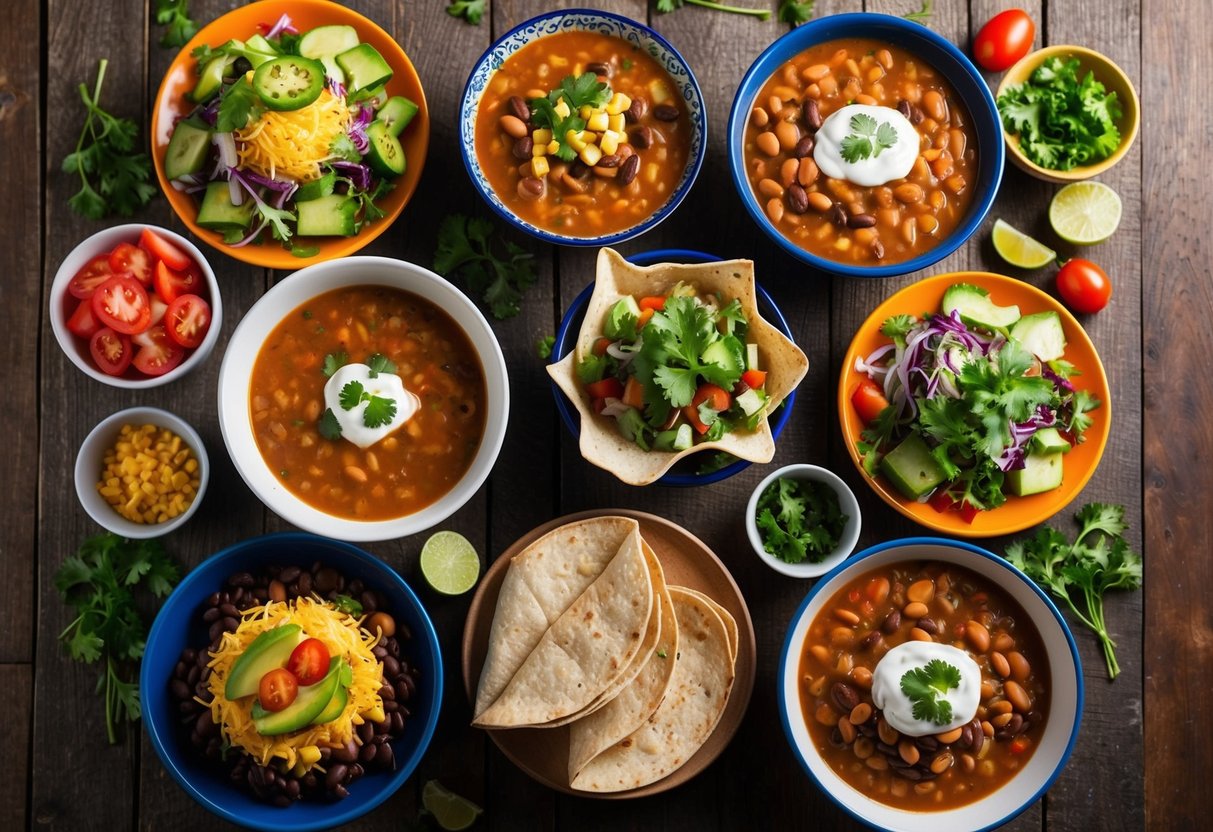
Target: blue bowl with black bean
[{"x": 168, "y": 681}]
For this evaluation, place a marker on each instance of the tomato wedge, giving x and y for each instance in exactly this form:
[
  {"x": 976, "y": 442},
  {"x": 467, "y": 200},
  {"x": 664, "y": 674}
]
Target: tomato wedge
[
  {"x": 633, "y": 393},
  {"x": 111, "y": 351},
  {"x": 718, "y": 399},
  {"x": 277, "y": 689},
  {"x": 309, "y": 662},
  {"x": 187, "y": 320},
  {"x": 93, "y": 274},
  {"x": 171, "y": 284},
  {"x": 656, "y": 303},
  {"x": 121, "y": 303},
  {"x": 133, "y": 260},
  {"x": 607, "y": 388},
  {"x": 157, "y": 352},
  {"x": 868, "y": 400},
  {"x": 162, "y": 249},
  {"x": 83, "y": 322},
  {"x": 754, "y": 378}
]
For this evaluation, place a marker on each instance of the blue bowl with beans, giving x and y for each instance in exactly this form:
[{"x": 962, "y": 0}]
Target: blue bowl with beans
[
  {"x": 633, "y": 174},
  {"x": 208, "y": 601},
  {"x": 865, "y": 145}
]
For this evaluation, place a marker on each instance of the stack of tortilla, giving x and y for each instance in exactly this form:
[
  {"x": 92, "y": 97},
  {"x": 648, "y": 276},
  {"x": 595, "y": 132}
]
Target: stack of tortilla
[{"x": 587, "y": 634}]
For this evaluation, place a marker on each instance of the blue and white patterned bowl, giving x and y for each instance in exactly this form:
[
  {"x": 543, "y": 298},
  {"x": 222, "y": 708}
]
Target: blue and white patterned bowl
[{"x": 588, "y": 20}]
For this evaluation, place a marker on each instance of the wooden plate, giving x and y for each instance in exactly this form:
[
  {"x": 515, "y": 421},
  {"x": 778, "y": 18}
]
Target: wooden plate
[
  {"x": 543, "y": 752},
  {"x": 1017, "y": 513}
]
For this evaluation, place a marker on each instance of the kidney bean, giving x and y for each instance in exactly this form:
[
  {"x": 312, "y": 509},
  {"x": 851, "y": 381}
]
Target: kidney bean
[
  {"x": 869, "y": 641},
  {"x": 629, "y": 169},
  {"x": 797, "y": 198},
  {"x": 804, "y": 147},
  {"x": 928, "y": 625},
  {"x": 903, "y": 107},
  {"x": 642, "y": 138},
  {"x": 861, "y": 221},
  {"x": 523, "y": 147},
  {"x": 600, "y": 68},
  {"x": 844, "y": 696},
  {"x": 518, "y": 108},
  {"x": 612, "y": 161},
  {"x": 665, "y": 112},
  {"x": 812, "y": 115},
  {"x": 636, "y": 112},
  {"x": 530, "y": 188},
  {"x": 838, "y": 214},
  {"x": 892, "y": 622}
]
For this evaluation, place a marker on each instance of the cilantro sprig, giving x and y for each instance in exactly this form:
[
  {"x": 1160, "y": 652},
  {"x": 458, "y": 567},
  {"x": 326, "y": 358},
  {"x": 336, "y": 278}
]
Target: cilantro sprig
[
  {"x": 465, "y": 245},
  {"x": 867, "y": 140},
  {"x": 799, "y": 520},
  {"x": 239, "y": 105},
  {"x": 673, "y": 352},
  {"x": 471, "y": 11},
  {"x": 926, "y": 686},
  {"x": 584, "y": 90},
  {"x": 99, "y": 582},
  {"x": 795, "y": 12},
  {"x": 922, "y": 15},
  {"x": 379, "y": 410},
  {"x": 175, "y": 14},
  {"x": 113, "y": 178},
  {"x": 1099, "y": 559},
  {"x": 667, "y": 6},
  {"x": 1062, "y": 120}
]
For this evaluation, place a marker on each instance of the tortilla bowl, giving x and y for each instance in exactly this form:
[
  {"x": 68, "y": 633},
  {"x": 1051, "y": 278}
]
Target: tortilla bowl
[{"x": 600, "y": 443}]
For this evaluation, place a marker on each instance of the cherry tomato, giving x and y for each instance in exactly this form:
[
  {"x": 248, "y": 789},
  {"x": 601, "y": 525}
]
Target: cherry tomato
[
  {"x": 83, "y": 322},
  {"x": 607, "y": 388},
  {"x": 157, "y": 352},
  {"x": 868, "y": 400},
  {"x": 656, "y": 302},
  {"x": 159, "y": 307},
  {"x": 599, "y": 405},
  {"x": 111, "y": 351},
  {"x": 718, "y": 399},
  {"x": 187, "y": 320},
  {"x": 121, "y": 304},
  {"x": 134, "y": 261},
  {"x": 600, "y": 346},
  {"x": 1005, "y": 39},
  {"x": 93, "y": 274},
  {"x": 277, "y": 689},
  {"x": 171, "y": 284},
  {"x": 941, "y": 501},
  {"x": 309, "y": 662},
  {"x": 162, "y": 249},
  {"x": 1084, "y": 286},
  {"x": 968, "y": 513},
  {"x": 754, "y": 378},
  {"x": 645, "y": 315}
]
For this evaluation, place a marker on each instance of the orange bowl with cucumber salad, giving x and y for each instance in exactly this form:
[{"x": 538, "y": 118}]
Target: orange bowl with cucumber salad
[
  {"x": 1016, "y": 513},
  {"x": 335, "y": 229}
]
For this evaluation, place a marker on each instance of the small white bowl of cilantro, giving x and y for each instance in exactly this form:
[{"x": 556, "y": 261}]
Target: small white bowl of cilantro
[{"x": 803, "y": 520}]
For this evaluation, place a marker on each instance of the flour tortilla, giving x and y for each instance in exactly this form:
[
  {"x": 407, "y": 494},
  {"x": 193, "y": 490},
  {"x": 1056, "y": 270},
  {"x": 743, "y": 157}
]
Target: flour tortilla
[
  {"x": 635, "y": 703},
  {"x": 585, "y": 650},
  {"x": 698, "y": 692},
  {"x": 543, "y": 580},
  {"x": 730, "y": 623}
]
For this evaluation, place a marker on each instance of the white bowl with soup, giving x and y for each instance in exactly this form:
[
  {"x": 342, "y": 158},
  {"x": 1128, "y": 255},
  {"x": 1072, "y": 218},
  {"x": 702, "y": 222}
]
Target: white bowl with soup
[{"x": 364, "y": 399}]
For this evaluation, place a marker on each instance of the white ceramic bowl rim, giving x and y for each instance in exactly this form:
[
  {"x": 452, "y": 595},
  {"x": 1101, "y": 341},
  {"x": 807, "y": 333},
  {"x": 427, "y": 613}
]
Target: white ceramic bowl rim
[
  {"x": 846, "y": 501},
  {"x": 103, "y": 241},
  {"x": 297, "y": 289},
  {"x": 635, "y": 33},
  {"x": 870, "y": 811},
  {"x": 101, "y": 438}
]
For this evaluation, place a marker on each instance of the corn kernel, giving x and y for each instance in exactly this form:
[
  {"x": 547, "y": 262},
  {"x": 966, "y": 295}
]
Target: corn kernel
[
  {"x": 538, "y": 150},
  {"x": 651, "y": 172},
  {"x": 553, "y": 146},
  {"x": 618, "y": 104},
  {"x": 541, "y": 136},
  {"x": 590, "y": 154},
  {"x": 574, "y": 140},
  {"x": 558, "y": 60},
  {"x": 562, "y": 108},
  {"x": 609, "y": 142},
  {"x": 585, "y": 112},
  {"x": 617, "y": 122},
  {"x": 598, "y": 122},
  {"x": 659, "y": 91},
  {"x": 540, "y": 167}
]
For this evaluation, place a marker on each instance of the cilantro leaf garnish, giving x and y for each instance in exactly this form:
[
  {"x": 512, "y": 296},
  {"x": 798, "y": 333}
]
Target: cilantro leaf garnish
[
  {"x": 1098, "y": 560},
  {"x": 922, "y": 15},
  {"x": 543, "y": 346},
  {"x": 584, "y": 90},
  {"x": 328, "y": 426},
  {"x": 175, "y": 14},
  {"x": 667, "y": 6},
  {"x": 379, "y": 411},
  {"x": 795, "y": 12},
  {"x": 239, "y": 105},
  {"x": 926, "y": 685},
  {"x": 342, "y": 147},
  {"x": 799, "y": 520},
  {"x": 351, "y": 395},
  {"x": 470, "y": 10},
  {"x": 380, "y": 363},
  {"x": 465, "y": 245},
  {"x": 674, "y": 343},
  {"x": 333, "y": 362},
  {"x": 866, "y": 139}
]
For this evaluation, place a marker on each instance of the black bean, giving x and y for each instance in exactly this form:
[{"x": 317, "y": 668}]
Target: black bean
[
  {"x": 397, "y": 723},
  {"x": 367, "y": 752},
  {"x": 402, "y": 690},
  {"x": 282, "y": 801},
  {"x": 927, "y": 743},
  {"x": 180, "y": 689},
  {"x": 347, "y": 753},
  {"x": 289, "y": 574},
  {"x": 230, "y": 624},
  {"x": 212, "y": 615},
  {"x": 237, "y": 595},
  {"x": 241, "y": 579},
  {"x": 903, "y": 107},
  {"x": 844, "y": 696},
  {"x": 887, "y": 750},
  {"x": 892, "y": 622},
  {"x": 189, "y": 654},
  {"x": 292, "y": 788},
  {"x": 369, "y": 602},
  {"x": 341, "y": 792},
  {"x": 812, "y": 115},
  {"x": 336, "y": 774},
  {"x": 861, "y": 221},
  {"x": 838, "y": 214},
  {"x": 387, "y": 693},
  {"x": 797, "y": 198},
  {"x": 390, "y": 705},
  {"x": 304, "y": 584},
  {"x": 518, "y": 108},
  {"x": 629, "y": 169},
  {"x": 927, "y": 625},
  {"x": 578, "y": 169},
  {"x": 522, "y": 152},
  {"x": 385, "y": 757},
  {"x": 836, "y": 739},
  {"x": 600, "y": 68},
  {"x": 213, "y": 600},
  {"x": 365, "y": 732},
  {"x": 383, "y": 727},
  {"x": 379, "y": 651},
  {"x": 327, "y": 579},
  {"x": 642, "y": 138},
  {"x": 804, "y": 147},
  {"x": 867, "y": 729},
  {"x": 215, "y": 631},
  {"x": 180, "y": 670},
  {"x": 636, "y": 112},
  {"x": 205, "y": 726},
  {"x": 665, "y": 112},
  {"x": 229, "y": 610},
  {"x": 391, "y": 667},
  {"x": 909, "y": 773}
]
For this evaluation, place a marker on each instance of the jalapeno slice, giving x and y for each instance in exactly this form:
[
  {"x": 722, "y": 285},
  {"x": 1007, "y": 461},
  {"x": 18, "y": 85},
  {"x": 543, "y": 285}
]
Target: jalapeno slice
[{"x": 289, "y": 82}]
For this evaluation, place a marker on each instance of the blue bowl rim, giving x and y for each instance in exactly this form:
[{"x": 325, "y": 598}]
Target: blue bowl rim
[
  {"x": 562, "y": 346},
  {"x": 737, "y": 117},
  {"x": 695, "y": 163},
  {"x": 362, "y": 806},
  {"x": 854, "y": 560}
]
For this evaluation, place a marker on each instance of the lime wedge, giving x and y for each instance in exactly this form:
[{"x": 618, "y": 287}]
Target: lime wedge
[
  {"x": 1019, "y": 249},
  {"x": 450, "y": 563},
  {"x": 1085, "y": 213},
  {"x": 451, "y": 811}
]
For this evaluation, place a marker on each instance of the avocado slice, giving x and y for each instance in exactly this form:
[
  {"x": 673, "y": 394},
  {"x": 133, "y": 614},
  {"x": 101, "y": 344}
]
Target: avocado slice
[
  {"x": 976, "y": 309},
  {"x": 1041, "y": 472},
  {"x": 335, "y": 706},
  {"x": 911, "y": 467},
  {"x": 1041, "y": 334},
  {"x": 621, "y": 320},
  {"x": 308, "y": 705},
  {"x": 269, "y": 651}
]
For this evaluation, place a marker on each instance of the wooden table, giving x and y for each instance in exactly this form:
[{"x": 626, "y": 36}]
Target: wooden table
[{"x": 1144, "y": 749}]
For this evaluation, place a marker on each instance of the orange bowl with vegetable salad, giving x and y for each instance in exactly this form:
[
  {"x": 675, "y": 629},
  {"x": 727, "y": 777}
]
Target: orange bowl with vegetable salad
[
  {"x": 582, "y": 127},
  {"x": 343, "y": 156},
  {"x": 1038, "y": 467}
]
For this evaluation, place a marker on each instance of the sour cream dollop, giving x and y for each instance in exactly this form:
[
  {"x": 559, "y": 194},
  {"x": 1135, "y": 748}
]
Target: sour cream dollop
[
  {"x": 384, "y": 385},
  {"x": 899, "y": 709},
  {"x": 893, "y": 162}
]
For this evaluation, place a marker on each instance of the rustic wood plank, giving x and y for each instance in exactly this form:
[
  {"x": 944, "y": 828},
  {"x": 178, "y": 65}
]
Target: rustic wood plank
[
  {"x": 20, "y": 117},
  {"x": 17, "y": 689},
  {"x": 1178, "y": 526}
]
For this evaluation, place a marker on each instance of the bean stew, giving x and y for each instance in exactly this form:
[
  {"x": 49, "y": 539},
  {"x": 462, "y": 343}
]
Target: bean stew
[
  {"x": 837, "y": 219},
  {"x": 619, "y": 165},
  {"x": 948, "y": 605}
]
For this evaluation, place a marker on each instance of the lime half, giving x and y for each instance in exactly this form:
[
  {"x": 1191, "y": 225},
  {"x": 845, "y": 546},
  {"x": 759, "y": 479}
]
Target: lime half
[
  {"x": 449, "y": 563},
  {"x": 1085, "y": 213},
  {"x": 1019, "y": 249},
  {"x": 450, "y": 810}
]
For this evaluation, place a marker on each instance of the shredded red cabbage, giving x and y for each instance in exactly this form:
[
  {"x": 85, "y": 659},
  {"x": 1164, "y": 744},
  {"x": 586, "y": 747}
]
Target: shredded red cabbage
[{"x": 283, "y": 25}]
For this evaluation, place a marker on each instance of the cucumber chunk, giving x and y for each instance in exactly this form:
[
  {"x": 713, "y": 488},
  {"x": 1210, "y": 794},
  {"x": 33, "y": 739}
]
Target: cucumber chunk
[
  {"x": 210, "y": 80},
  {"x": 316, "y": 188},
  {"x": 328, "y": 41},
  {"x": 385, "y": 154},
  {"x": 364, "y": 67},
  {"x": 911, "y": 467},
  {"x": 327, "y": 216},
  {"x": 976, "y": 309},
  {"x": 1041, "y": 472},
  {"x": 187, "y": 150},
  {"x": 219, "y": 214},
  {"x": 289, "y": 82},
  {"x": 397, "y": 113},
  {"x": 1041, "y": 334}
]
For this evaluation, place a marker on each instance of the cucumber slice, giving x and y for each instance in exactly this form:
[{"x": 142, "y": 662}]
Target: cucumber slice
[
  {"x": 289, "y": 82},
  {"x": 397, "y": 113},
  {"x": 187, "y": 150},
  {"x": 385, "y": 154},
  {"x": 219, "y": 214},
  {"x": 1042, "y": 334},
  {"x": 364, "y": 67},
  {"x": 327, "y": 216},
  {"x": 316, "y": 188},
  {"x": 210, "y": 80},
  {"x": 328, "y": 41}
]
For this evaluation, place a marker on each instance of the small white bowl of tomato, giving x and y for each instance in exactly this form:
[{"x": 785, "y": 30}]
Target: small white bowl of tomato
[{"x": 136, "y": 306}]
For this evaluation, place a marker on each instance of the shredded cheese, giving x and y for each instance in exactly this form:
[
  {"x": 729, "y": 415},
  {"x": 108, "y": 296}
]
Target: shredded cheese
[
  {"x": 293, "y": 144},
  {"x": 344, "y": 637}
]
